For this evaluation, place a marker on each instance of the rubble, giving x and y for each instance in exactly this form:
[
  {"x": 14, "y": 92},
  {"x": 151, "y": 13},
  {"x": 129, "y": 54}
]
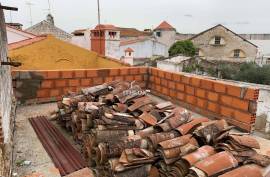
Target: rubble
[{"x": 124, "y": 133}]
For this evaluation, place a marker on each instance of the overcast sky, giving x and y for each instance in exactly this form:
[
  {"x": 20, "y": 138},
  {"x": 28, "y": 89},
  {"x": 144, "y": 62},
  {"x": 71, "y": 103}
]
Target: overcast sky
[{"x": 187, "y": 16}]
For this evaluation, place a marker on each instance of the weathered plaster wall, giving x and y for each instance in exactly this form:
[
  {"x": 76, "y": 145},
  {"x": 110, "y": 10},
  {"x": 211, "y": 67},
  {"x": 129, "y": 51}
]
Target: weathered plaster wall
[
  {"x": 168, "y": 66},
  {"x": 232, "y": 42},
  {"x": 168, "y": 37},
  {"x": 82, "y": 41},
  {"x": 146, "y": 49},
  {"x": 112, "y": 45}
]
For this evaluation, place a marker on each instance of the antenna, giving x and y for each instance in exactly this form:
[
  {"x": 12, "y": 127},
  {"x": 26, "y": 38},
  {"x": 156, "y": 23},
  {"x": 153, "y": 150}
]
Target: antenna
[
  {"x": 99, "y": 27},
  {"x": 29, "y": 4},
  {"x": 49, "y": 5}
]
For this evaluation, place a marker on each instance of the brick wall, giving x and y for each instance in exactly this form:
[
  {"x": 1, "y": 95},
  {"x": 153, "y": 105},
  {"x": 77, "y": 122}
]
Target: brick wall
[
  {"x": 212, "y": 98},
  {"x": 216, "y": 99},
  {"x": 46, "y": 86}
]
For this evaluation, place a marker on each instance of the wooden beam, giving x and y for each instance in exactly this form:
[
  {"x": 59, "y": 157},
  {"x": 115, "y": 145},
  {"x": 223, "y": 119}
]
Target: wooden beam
[{"x": 8, "y": 8}]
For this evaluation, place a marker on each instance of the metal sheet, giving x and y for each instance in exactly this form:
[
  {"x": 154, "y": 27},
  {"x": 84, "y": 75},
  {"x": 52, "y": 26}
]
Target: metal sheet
[{"x": 65, "y": 157}]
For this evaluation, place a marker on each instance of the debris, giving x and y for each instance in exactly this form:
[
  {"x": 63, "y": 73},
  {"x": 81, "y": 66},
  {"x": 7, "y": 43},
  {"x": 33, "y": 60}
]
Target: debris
[{"x": 124, "y": 133}]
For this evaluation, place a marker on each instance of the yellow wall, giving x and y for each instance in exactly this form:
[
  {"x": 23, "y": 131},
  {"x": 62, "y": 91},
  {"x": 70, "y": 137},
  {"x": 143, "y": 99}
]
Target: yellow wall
[{"x": 52, "y": 53}]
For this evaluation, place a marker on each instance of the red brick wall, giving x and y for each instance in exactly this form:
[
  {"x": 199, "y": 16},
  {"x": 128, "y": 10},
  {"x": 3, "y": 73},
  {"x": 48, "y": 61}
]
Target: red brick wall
[
  {"x": 217, "y": 99},
  {"x": 211, "y": 98},
  {"x": 46, "y": 86}
]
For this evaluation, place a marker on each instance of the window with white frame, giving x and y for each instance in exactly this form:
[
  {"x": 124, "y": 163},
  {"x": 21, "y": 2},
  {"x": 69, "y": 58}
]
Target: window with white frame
[
  {"x": 236, "y": 53},
  {"x": 217, "y": 40}
]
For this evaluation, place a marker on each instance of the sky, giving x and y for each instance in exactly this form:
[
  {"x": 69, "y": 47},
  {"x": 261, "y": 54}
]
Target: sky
[{"x": 187, "y": 16}]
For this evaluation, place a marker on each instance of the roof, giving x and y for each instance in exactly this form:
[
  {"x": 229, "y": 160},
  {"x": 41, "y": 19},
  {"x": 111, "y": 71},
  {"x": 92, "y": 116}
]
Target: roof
[
  {"x": 177, "y": 59},
  {"x": 105, "y": 27},
  {"x": 129, "y": 50},
  {"x": 132, "y": 41},
  {"x": 219, "y": 25},
  {"x": 78, "y": 31},
  {"x": 132, "y": 32},
  {"x": 45, "y": 27},
  {"x": 21, "y": 32},
  {"x": 50, "y": 53},
  {"x": 139, "y": 39},
  {"x": 26, "y": 42},
  {"x": 164, "y": 26}
]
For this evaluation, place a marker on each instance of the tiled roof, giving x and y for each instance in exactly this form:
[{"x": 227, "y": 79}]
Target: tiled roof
[
  {"x": 129, "y": 50},
  {"x": 26, "y": 42},
  {"x": 79, "y": 31},
  {"x": 105, "y": 26},
  {"x": 132, "y": 41},
  {"x": 132, "y": 32},
  {"x": 165, "y": 26}
]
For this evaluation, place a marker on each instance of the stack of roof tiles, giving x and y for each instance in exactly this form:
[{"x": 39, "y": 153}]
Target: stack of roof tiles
[{"x": 124, "y": 132}]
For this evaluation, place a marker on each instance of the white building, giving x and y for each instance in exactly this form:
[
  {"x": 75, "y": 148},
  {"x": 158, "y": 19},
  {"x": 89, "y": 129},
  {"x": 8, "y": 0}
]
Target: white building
[
  {"x": 144, "y": 47},
  {"x": 263, "y": 51},
  {"x": 16, "y": 35},
  {"x": 81, "y": 38},
  {"x": 175, "y": 64}
]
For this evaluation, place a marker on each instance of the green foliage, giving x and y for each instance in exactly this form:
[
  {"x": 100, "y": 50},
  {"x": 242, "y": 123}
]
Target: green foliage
[
  {"x": 227, "y": 71},
  {"x": 185, "y": 48},
  {"x": 251, "y": 72}
]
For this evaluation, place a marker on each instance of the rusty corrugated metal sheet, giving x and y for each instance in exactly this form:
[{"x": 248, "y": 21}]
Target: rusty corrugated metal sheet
[{"x": 64, "y": 156}]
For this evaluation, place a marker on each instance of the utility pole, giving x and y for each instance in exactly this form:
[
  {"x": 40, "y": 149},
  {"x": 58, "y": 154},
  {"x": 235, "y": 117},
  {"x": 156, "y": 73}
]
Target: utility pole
[
  {"x": 99, "y": 30},
  {"x": 29, "y": 4}
]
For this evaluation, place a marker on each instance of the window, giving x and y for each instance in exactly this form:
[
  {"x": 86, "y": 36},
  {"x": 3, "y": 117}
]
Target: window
[
  {"x": 158, "y": 33},
  {"x": 236, "y": 53},
  {"x": 217, "y": 40},
  {"x": 129, "y": 53},
  {"x": 112, "y": 34},
  {"x": 267, "y": 61}
]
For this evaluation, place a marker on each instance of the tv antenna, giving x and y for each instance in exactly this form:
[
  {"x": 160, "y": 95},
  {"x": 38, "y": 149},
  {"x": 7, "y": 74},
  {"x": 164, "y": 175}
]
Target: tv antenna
[
  {"x": 49, "y": 7},
  {"x": 29, "y": 4}
]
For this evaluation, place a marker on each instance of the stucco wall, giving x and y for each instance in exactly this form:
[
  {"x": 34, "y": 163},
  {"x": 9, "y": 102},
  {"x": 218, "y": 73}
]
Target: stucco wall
[
  {"x": 112, "y": 45},
  {"x": 82, "y": 41},
  {"x": 167, "y": 66},
  {"x": 167, "y": 37},
  {"x": 5, "y": 84},
  {"x": 232, "y": 42},
  {"x": 145, "y": 49},
  {"x": 14, "y": 37}
]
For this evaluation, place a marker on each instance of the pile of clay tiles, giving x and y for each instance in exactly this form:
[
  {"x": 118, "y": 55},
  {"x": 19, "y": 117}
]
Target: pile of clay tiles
[{"x": 123, "y": 132}]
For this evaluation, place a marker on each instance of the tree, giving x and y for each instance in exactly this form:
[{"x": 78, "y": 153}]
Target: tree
[{"x": 185, "y": 48}]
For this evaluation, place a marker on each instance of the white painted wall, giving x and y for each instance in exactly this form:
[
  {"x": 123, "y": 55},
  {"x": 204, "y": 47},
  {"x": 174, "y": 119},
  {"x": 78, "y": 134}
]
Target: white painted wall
[
  {"x": 14, "y": 35},
  {"x": 112, "y": 45},
  {"x": 82, "y": 41},
  {"x": 146, "y": 49},
  {"x": 172, "y": 67}
]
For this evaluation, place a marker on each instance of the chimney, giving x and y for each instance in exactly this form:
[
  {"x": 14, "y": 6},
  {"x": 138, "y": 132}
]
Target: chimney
[{"x": 50, "y": 19}]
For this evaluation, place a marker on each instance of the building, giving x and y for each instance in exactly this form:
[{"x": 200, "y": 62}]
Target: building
[
  {"x": 174, "y": 64},
  {"x": 144, "y": 47},
  {"x": 220, "y": 43},
  {"x": 48, "y": 27},
  {"x": 16, "y": 34},
  {"x": 81, "y": 38},
  {"x": 263, "y": 51},
  {"x": 105, "y": 40},
  {"x": 165, "y": 34},
  {"x": 48, "y": 52}
]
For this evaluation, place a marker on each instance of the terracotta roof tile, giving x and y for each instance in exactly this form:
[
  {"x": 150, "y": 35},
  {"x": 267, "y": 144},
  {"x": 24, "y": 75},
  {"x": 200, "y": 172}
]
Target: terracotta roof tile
[
  {"x": 129, "y": 50},
  {"x": 132, "y": 41},
  {"x": 165, "y": 26},
  {"x": 105, "y": 26}
]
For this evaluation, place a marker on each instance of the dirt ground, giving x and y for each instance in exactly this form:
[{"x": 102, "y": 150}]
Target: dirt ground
[{"x": 27, "y": 146}]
